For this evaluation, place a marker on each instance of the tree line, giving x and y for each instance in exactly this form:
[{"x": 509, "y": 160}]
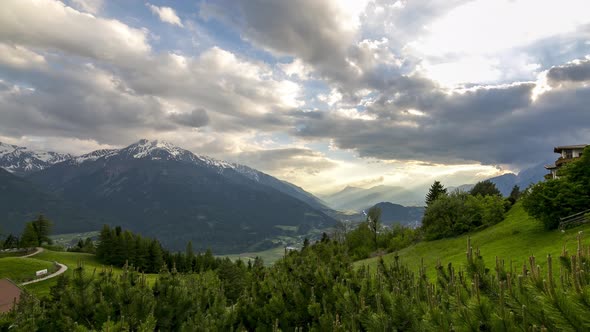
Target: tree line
[
  {"x": 459, "y": 212},
  {"x": 118, "y": 247},
  {"x": 35, "y": 234},
  {"x": 318, "y": 289}
]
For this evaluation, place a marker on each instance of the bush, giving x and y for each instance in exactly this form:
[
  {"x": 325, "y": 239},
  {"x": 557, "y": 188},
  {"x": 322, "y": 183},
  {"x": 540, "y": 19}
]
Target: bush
[{"x": 459, "y": 213}]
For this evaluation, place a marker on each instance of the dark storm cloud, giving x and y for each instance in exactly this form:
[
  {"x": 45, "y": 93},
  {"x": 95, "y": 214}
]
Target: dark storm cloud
[
  {"x": 492, "y": 125},
  {"x": 577, "y": 71}
]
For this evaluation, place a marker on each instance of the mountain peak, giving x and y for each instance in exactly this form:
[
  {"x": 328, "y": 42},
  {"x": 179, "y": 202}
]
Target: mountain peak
[{"x": 156, "y": 149}]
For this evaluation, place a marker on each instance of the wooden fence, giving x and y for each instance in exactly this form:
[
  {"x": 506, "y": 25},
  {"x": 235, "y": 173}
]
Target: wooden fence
[{"x": 574, "y": 220}]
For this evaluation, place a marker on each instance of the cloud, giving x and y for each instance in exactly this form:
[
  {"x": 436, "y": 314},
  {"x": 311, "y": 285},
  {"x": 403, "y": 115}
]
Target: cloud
[
  {"x": 52, "y": 25},
  {"x": 492, "y": 125},
  {"x": 320, "y": 33},
  {"x": 78, "y": 85},
  {"x": 575, "y": 71},
  {"x": 196, "y": 118},
  {"x": 90, "y": 6},
  {"x": 368, "y": 182},
  {"x": 20, "y": 57},
  {"x": 287, "y": 162},
  {"x": 166, "y": 14}
]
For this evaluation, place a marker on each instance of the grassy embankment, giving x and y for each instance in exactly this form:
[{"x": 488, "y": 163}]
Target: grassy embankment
[
  {"x": 18, "y": 269},
  {"x": 514, "y": 239}
]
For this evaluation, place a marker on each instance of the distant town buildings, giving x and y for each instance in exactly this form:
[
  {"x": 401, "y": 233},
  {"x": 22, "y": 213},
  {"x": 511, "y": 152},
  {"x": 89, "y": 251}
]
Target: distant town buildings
[{"x": 568, "y": 153}]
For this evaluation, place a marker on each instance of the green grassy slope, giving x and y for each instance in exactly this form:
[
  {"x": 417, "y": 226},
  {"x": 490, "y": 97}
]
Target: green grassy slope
[
  {"x": 71, "y": 259},
  {"x": 514, "y": 239},
  {"x": 22, "y": 269}
]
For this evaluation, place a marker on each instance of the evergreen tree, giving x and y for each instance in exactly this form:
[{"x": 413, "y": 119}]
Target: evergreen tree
[
  {"x": 514, "y": 194},
  {"x": 29, "y": 237},
  {"x": 155, "y": 258},
  {"x": 436, "y": 190},
  {"x": 11, "y": 241},
  {"x": 42, "y": 229}
]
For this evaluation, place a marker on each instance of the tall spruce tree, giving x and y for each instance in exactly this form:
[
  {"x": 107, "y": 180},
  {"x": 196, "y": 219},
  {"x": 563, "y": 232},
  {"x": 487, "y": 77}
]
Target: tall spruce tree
[
  {"x": 29, "y": 237},
  {"x": 436, "y": 190},
  {"x": 514, "y": 194},
  {"x": 42, "y": 228}
]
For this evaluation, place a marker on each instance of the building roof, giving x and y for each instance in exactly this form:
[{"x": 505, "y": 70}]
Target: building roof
[
  {"x": 9, "y": 293},
  {"x": 558, "y": 149}
]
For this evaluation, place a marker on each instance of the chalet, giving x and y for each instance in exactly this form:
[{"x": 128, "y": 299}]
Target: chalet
[
  {"x": 9, "y": 295},
  {"x": 567, "y": 154}
]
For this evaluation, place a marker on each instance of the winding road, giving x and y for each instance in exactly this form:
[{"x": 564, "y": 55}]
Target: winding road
[{"x": 62, "y": 268}]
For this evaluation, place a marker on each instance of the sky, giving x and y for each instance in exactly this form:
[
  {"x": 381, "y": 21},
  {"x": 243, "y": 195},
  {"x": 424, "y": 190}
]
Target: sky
[{"x": 324, "y": 94}]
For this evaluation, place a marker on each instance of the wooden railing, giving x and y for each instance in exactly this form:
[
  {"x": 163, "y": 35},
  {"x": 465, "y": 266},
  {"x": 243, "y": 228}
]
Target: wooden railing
[{"x": 573, "y": 220}]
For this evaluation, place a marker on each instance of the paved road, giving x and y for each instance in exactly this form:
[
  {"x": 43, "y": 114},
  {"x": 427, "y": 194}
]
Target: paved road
[
  {"x": 37, "y": 251},
  {"x": 62, "y": 268}
]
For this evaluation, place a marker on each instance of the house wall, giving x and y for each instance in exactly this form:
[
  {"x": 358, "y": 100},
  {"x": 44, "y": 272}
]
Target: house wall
[{"x": 575, "y": 152}]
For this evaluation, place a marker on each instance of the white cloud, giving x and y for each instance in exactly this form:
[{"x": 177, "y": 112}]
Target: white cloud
[
  {"x": 485, "y": 27},
  {"x": 296, "y": 68},
  {"x": 20, "y": 57},
  {"x": 166, "y": 14},
  {"x": 51, "y": 25},
  {"x": 90, "y": 6}
]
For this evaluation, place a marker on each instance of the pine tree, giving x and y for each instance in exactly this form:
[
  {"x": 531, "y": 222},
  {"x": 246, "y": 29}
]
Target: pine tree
[
  {"x": 514, "y": 194},
  {"x": 42, "y": 228},
  {"x": 436, "y": 190},
  {"x": 29, "y": 237},
  {"x": 155, "y": 258}
]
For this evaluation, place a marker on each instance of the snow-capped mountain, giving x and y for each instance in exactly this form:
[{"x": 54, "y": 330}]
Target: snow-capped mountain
[
  {"x": 162, "y": 150},
  {"x": 161, "y": 190},
  {"x": 22, "y": 161}
]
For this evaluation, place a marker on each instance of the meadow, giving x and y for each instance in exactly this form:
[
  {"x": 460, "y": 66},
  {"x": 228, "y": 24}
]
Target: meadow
[{"x": 514, "y": 239}]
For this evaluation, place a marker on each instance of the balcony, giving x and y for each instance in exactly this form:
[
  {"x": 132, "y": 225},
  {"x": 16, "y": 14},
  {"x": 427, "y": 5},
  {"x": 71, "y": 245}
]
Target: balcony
[{"x": 563, "y": 160}]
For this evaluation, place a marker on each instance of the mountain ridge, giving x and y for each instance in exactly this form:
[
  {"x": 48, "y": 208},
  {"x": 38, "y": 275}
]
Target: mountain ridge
[{"x": 159, "y": 189}]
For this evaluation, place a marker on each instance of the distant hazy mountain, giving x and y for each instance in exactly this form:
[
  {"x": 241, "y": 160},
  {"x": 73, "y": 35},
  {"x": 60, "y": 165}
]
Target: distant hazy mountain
[
  {"x": 161, "y": 190},
  {"x": 21, "y": 201},
  {"x": 398, "y": 214},
  {"x": 523, "y": 179},
  {"x": 21, "y": 161},
  {"x": 356, "y": 199}
]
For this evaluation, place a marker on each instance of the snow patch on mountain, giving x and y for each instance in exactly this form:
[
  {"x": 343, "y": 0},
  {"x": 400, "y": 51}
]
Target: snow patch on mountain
[{"x": 20, "y": 160}]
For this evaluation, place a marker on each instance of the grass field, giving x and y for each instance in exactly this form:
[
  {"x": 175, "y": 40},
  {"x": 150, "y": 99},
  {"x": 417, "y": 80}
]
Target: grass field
[
  {"x": 71, "y": 259},
  {"x": 22, "y": 269},
  {"x": 514, "y": 239}
]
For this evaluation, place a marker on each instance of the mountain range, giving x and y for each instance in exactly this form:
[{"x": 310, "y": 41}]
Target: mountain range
[
  {"x": 357, "y": 199},
  {"x": 161, "y": 190},
  {"x": 22, "y": 161}
]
